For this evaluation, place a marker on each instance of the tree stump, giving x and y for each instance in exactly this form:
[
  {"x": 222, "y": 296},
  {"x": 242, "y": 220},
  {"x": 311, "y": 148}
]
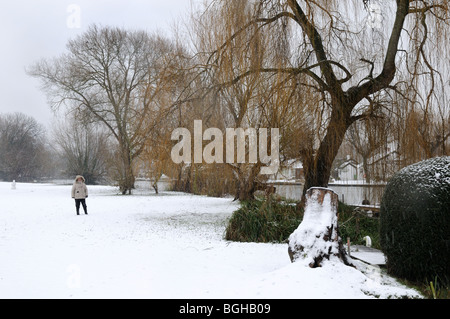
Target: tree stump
[{"x": 317, "y": 237}]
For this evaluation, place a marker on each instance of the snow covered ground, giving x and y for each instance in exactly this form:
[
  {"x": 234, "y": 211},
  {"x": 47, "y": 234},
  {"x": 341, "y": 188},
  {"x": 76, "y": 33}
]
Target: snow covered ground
[{"x": 153, "y": 246}]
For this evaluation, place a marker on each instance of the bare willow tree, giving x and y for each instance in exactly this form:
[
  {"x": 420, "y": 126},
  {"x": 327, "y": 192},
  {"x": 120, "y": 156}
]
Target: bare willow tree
[
  {"x": 421, "y": 135},
  {"x": 156, "y": 158},
  {"x": 247, "y": 100},
  {"x": 238, "y": 101},
  {"x": 369, "y": 138},
  {"x": 350, "y": 63},
  {"x": 110, "y": 76}
]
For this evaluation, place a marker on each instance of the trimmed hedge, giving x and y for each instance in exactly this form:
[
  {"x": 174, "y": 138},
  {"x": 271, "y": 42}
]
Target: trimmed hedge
[{"x": 415, "y": 221}]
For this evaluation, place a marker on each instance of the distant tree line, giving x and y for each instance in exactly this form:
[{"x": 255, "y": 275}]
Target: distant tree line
[
  {"x": 29, "y": 153},
  {"x": 23, "y": 148}
]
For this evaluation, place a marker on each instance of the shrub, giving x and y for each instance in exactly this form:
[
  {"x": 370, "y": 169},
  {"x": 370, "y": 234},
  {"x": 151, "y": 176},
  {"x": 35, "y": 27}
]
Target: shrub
[
  {"x": 415, "y": 221},
  {"x": 263, "y": 220},
  {"x": 204, "y": 180}
]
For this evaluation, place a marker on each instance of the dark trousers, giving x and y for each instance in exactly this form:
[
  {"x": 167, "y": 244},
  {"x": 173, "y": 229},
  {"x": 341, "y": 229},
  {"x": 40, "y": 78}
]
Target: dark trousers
[{"x": 77, "y": 205}]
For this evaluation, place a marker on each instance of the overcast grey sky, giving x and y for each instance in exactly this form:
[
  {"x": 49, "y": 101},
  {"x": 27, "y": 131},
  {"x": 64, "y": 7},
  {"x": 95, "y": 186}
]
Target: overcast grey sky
[{"x": 35, "y": 29}]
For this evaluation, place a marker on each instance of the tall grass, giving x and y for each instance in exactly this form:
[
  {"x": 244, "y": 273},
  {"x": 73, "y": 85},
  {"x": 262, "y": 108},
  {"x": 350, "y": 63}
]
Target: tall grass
[
  {"x": 268, "y": 220},
  {"x": 263, "y": 220}
]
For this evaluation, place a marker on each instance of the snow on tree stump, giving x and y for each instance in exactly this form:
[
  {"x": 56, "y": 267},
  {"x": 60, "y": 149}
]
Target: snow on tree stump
[{"x": 317, "y": 237}]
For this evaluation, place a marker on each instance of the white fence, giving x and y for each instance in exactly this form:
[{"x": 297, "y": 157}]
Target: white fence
[
  {"x": 349, "y": 193},
  {"x": 354, "y": 194}
]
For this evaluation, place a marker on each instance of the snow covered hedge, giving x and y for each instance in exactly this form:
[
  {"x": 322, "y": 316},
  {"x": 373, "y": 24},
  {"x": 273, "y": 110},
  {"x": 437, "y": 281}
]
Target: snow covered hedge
[{"x": 415, "y": 221}]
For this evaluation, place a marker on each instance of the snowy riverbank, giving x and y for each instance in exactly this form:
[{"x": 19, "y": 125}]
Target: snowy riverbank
[{"x": 153, "y": 246}]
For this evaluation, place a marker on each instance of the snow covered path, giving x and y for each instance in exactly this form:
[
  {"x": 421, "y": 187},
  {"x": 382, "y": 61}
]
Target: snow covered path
[{"x": 152, "y": 246}]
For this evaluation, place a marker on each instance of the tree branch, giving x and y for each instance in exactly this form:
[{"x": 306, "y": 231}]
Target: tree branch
[
  {"x": 427, "y": 8},
  {"x": 357, "y": 93},
  {"x": 317, "y": 44},
  {"x": 265, "y": 21}
]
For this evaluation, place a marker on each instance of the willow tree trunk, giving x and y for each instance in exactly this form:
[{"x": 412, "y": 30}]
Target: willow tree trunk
[
  {"x": 318, "y": 166},
  {"x": 246, "y": 181},
  {"x": 245, "y": 190}
]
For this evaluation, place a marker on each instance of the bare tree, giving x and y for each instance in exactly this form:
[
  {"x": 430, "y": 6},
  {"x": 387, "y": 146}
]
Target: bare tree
[
  {"x": 248, "y": 100},
  {"x": 111, "y": 76},
  {"x": 83, "y": 148},
  {"x": 348, "y": 63},
  {"x": 367, "y": 138},
  {"x": 422, "y": 137},
  {"x": 22, "y": 147}
]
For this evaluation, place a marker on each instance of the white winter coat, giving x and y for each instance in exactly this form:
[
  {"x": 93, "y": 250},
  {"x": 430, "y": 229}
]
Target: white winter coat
[{"x": 79, "y": 189}]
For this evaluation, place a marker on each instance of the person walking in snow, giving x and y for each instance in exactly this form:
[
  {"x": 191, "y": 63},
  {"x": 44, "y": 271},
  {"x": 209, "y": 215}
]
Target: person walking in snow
[{"x": 80, "y": 193}]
